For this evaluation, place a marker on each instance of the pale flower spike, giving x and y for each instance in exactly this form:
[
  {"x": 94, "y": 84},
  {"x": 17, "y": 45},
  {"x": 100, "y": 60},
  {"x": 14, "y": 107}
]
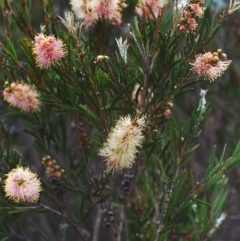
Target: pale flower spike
[
  {"x": 122, "y": 46},
  {"x": 180, "y": 4},
  {"x": 233, "y": 6},
  {"x": 217, "y": 224},
  {"x": 74, "y": 28},
  {"x": 22, "y": 185},
  {"x": 202, "y": 102},
  {"x": 123, "y": 141}
]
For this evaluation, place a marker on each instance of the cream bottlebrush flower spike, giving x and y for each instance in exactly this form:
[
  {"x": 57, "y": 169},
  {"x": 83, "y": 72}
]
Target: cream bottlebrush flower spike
[
  {"x": 22, "y": 185},
  {"x": 121, "y": 146}
]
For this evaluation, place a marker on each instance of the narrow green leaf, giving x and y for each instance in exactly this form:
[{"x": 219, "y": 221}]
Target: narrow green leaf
[
  {"x": 12, "y": 67},
  {"x": 211, "y": 163},
  {"x": 201, "y": 202},
  {"x": 237, "y": 149},
  {"x": 121, "y": 93}
]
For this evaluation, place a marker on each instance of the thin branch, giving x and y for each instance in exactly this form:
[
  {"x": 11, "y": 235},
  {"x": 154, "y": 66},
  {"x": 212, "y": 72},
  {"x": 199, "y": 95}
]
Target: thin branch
[
  {"x": 97, "y": 223},
  {"x": 22, "y": 28},
  {"x": 121, "y": 221},
  {"x": 47, "y": 208},
  {"x": 40, "y": 231},
  {"x": 6, "y": 18},
  {"x": 166, "y": 203},
  {"x": 157, "y": 30},
  {"x": 67, "y": 218},
  {"x": 29, "y": 25},
  {"x": 19, "y": 236}
]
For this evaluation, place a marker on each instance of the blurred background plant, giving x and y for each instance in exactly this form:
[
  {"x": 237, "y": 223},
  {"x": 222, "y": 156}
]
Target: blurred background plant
[{"x": 107, "y": 107}]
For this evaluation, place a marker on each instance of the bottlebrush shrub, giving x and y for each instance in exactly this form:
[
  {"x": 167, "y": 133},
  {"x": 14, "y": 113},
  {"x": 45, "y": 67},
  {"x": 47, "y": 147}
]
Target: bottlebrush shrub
[{"x": 93, "y": 98}]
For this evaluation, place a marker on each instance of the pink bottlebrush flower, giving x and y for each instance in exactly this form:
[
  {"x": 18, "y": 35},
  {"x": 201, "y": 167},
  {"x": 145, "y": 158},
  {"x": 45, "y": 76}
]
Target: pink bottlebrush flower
[
  {"x": 187, "y": 15},
  {"x": 183, "y": 29},
  {"x": 206, "y": 58},
  {"x": 192, "y": 24},
  {"x": 85, "y": 10},
  {"x": 120, "y": 148},
  {"x": 47, "y": 50},
  {"x": 197, "y": 9},
  {"x": 192, "y": 10},
  {"x": 223, "y": 65},
  {"x": 210, "y": 66},
  {"x": 22, "y": 185},
  {"x": 148, "y": 7},
  {"x": 211, "y": 73},
  {"x": 90, "y": 11},
  {"x": 110, "y": 10},
  {"x": 22, "y": 96}
]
